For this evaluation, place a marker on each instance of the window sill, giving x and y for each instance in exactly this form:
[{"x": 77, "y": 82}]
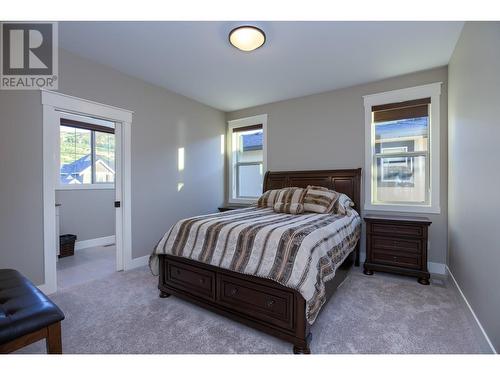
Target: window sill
[
  {"x": 242, "y": 201},
  {"x": 86, "y": 187},
  {"x": 402, "y": 208}
]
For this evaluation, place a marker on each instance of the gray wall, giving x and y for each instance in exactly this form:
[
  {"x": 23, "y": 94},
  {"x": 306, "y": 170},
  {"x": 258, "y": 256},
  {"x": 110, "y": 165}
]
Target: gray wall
[
  {"x": 474, "y": 135},
  {"x": 87, "y": 213},
  {"x": 163, "y": 122},
  {"x": 326, "y": 131},
  {"x": 21, "y": 204}
]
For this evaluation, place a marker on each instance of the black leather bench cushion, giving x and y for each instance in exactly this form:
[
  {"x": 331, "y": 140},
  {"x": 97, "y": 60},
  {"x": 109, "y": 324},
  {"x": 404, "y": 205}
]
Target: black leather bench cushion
[{"x": 23, "y": 308}]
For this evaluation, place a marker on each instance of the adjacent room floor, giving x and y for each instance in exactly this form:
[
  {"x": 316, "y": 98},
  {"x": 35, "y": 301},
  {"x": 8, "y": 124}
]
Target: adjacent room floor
[
  {"x": 86, "y": 265},
  {"x": 121, "y": 313}
]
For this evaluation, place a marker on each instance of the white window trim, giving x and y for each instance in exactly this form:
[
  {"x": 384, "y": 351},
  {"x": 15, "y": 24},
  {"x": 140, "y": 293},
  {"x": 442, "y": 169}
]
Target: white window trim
[
  {"x": 433, "y": 91},
  {"x": 247, "y": 121}
]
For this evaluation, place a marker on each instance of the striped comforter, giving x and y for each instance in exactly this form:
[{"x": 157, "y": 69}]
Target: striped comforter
[{"x": 301, "y": 252}]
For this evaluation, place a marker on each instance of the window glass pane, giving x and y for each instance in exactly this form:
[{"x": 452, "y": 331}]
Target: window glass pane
[
  {"x": 249, "y": 180},
  {"x": 104, "y": 157},
  {"x": 249, "y": 146},
  {"x": 247, "y": 163},
  {"x": 400, "y": 179},
  {"x": 75, "y": 155},
  {"x": 406, "y": 135}
]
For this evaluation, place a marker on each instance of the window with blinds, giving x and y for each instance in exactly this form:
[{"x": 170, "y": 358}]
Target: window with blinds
[
  {"x": 247, "y": 160},
  {"x": 401, "y": 152},
  {"x": 87, "y": 152}
]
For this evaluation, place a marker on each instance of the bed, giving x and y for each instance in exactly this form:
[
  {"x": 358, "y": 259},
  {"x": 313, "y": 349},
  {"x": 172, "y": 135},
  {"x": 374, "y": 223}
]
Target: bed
[{"x": 225, "y": 262}]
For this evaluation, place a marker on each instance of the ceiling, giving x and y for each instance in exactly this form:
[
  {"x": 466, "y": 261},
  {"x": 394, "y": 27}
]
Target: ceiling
[{"x": 196, "y": 60}]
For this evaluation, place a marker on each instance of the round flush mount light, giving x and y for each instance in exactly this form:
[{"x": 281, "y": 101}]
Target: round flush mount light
[{"x": 247, "y": 38}]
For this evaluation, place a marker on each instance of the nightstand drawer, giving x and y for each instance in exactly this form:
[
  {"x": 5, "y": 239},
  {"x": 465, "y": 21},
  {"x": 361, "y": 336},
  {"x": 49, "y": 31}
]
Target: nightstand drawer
[
  {"x": 396, "y": 259},
  {"x": 397, "y": 229},
  {"x": 397, "y": 244}
]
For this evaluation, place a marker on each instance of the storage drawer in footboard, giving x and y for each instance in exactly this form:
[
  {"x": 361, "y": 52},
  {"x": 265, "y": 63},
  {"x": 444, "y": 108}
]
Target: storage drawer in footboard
[
  {"x": 196, "y": 281},
  {"x": 255, "y": 300}
]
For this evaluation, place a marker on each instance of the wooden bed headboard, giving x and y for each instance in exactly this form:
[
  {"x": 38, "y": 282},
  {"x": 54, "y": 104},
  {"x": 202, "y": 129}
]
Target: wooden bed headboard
[{"x": 347, "y": 181}]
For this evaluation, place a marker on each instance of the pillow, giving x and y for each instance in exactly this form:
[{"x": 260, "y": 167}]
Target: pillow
[
  {"x": 343, "y": 206},
  {"x": 320, "y": 199},
  {"x": 289, "y": 201},
  {"x": 267, "y": 199}
]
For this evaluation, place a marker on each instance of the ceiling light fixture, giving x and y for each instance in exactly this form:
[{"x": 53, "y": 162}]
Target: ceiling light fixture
[{"x": 247, "y": 38}]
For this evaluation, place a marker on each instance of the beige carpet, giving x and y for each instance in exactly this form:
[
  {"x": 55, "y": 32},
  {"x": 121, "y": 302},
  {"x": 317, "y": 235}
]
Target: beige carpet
[{"x": 121, "y": 313}]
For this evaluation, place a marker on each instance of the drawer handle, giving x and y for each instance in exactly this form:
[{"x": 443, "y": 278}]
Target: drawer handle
[
  {"x": 395, "y": 258},
  {"x": 202, "y": 280},
  {"x": 270, "y": 303},
  {"x": 178, "y": 271},
  {"x": 233, "y": 291}
]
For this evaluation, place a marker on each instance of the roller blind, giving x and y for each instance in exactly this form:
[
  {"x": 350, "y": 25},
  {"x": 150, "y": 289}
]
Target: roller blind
[
  {"x": 87, "y": 126},
  {"x": 401, "y": 110},
  {"x": 247, "y": 128}
]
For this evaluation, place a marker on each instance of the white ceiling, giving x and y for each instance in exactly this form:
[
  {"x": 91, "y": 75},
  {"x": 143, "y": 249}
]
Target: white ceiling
[{"x": 195, "y": 59}]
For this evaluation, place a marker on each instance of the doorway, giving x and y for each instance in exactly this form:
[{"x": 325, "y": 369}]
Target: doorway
[
  {"x": 85, "y": 195},
  {"x": 72, "y": 169}
]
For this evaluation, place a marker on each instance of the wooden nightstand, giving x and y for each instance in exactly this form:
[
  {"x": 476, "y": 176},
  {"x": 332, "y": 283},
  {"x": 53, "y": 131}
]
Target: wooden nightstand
[
  {"x": 230, "y": 207},
  {"x": 397, "y": 244}
]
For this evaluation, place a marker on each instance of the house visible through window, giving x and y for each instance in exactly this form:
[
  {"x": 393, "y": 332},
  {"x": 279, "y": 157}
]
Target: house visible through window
[
  {"x": 87, "y": 152},
  {"x": 247, "y": 158},
  {"x": 401, "y": 152}
]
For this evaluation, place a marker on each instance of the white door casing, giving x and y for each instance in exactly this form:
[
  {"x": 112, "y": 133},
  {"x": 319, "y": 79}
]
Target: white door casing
[{"x": 53, "y": 103}]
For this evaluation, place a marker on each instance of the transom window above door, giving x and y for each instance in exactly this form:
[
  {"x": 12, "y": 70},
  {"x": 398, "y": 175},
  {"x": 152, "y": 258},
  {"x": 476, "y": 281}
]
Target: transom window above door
[{"x": 87, "y": 153}]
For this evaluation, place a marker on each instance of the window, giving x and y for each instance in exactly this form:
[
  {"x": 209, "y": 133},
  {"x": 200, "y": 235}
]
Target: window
[
  {"x": 401, "y": 152},
  {"x": 246, "y": 141},
  {"x": 401, "y": 165},
  {"x": 87, "y": 153}
]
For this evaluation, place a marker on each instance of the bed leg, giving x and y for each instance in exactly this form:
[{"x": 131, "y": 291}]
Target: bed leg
[
  {"x": 301, "y": 350},
  {"x": 164, "y": 294},
  {"x": 303, "y": 347}
]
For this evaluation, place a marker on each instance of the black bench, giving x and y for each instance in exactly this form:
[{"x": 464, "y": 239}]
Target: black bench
[{"x": 27, "y": 315}]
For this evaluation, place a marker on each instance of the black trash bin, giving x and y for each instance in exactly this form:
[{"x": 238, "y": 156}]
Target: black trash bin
[{"x": 67, "y": 245}]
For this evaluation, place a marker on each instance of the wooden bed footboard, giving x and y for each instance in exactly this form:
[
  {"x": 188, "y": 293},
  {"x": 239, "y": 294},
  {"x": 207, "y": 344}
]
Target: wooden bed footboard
[{"x": 259, "y": 303}]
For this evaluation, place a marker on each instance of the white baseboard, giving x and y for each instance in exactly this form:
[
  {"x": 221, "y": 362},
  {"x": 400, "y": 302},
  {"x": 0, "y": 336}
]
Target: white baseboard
[
  {"x": 472, "y": 311},
  {"x": 101, "y": 241},
  {"x": 436, "y": 268},
  {"x": 137, "y": 262}
]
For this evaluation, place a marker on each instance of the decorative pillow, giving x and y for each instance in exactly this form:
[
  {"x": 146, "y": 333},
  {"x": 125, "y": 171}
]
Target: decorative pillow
[
  {"x": 267, "y": 199},
  {"x": 289, "y": 201},
  {"x": 343, "y": 206},
  {"x": 320, "y": 199}
]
